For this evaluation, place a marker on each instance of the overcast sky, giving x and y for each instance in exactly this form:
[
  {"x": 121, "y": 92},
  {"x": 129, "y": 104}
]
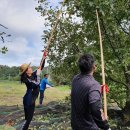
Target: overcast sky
[{"x": 26, "y": 26}]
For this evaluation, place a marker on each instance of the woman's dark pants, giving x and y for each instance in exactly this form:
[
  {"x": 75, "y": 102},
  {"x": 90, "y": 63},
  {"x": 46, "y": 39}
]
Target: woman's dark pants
[{"x": 29, "y": 111}]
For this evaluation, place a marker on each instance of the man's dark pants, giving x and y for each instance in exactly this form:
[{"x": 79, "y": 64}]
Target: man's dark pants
[{"x": 41, "y": 97}]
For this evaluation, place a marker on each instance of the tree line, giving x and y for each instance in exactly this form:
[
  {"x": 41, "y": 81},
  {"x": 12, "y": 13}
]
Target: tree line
[{"x": 13, "y": 73}]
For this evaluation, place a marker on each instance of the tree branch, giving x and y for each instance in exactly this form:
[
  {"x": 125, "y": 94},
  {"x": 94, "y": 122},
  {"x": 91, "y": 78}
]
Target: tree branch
[
  {"x": 3, "y": 26},
  {"x": 114, "y": 80},
  {"x": 119, "y": 105},
  {"x": 75, "y": 47},
  {"x": 127, "y": 33},
  {"x": 109, "y": 40}
]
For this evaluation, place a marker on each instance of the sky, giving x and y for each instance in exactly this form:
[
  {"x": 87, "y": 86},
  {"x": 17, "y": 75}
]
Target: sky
[{"x": 26, "y": 26}]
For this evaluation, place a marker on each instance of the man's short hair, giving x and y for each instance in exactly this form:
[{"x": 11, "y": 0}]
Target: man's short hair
[
  {"x": 85, "y": 63},
  {"x": 45, "y": 75}
]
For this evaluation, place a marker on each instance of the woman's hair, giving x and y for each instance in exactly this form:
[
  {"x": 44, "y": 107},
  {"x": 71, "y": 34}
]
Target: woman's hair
[
  {"x": 24, "y": 77},
  {"x": 85, "y": 63}
]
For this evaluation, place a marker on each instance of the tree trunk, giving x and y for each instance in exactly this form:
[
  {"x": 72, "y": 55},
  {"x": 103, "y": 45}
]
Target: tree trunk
[{"x": 127, "y": 106}]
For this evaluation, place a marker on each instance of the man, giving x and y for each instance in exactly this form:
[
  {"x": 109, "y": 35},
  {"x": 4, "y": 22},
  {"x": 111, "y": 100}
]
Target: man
[
  {"x": 44, "y": 84},
  {"x": 86, "y": 113}
]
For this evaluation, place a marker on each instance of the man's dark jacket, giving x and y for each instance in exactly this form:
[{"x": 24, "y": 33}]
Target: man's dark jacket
[{"x": 86, "y": 104}]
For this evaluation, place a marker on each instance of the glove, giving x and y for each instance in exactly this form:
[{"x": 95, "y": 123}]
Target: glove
[
  {"x": 102, "y": 87},
  {"x": 45, "y": 53}
]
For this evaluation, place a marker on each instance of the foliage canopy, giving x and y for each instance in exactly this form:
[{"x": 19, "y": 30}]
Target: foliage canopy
[{"x": 77, "y": 33}]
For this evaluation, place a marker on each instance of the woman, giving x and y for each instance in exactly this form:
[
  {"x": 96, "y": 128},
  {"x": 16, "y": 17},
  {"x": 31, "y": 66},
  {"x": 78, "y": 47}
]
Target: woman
[{"x": 32, "y": 82}]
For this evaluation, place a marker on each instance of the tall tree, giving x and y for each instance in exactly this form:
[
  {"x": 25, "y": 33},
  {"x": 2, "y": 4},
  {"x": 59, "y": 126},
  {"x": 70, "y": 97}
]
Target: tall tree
[{"x": 77, "y": 33}]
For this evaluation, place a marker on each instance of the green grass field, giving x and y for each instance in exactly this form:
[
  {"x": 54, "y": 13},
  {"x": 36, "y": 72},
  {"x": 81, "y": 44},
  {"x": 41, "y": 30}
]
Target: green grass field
[{"x": 12, "y": 92}]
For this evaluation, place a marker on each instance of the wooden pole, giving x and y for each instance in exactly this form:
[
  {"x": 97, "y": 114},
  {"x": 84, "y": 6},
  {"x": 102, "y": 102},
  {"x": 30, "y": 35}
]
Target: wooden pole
[
  {"x": 55, "y": 26},
  {"x": 53, "y": 30},
  {"x": 103, "y": 72}
]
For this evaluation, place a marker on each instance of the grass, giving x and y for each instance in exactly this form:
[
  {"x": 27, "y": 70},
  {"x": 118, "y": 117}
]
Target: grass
[
  {"x": 12, "y": 92},
  {"x": 64, "y": 88}
]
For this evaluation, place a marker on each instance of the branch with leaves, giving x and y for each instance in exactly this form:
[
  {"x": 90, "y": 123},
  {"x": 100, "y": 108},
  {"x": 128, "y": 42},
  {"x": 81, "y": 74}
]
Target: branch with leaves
[{"x": 3, "y": 36}]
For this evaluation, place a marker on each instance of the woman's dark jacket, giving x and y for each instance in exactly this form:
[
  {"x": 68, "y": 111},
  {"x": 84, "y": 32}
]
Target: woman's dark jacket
[{"x": 33, "y": 85}]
